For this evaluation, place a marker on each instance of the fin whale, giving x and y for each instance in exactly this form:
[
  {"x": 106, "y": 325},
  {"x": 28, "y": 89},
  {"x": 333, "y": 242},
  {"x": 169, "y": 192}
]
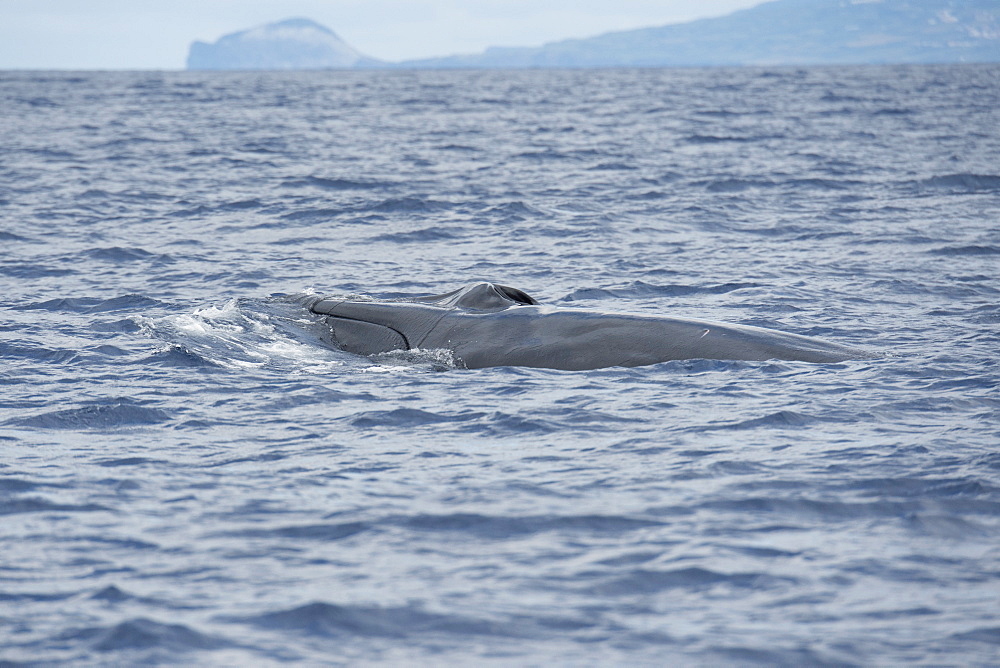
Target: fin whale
[{"x": 487, "y": 324}]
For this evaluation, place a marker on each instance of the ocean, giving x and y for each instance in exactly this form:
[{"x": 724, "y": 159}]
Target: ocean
[{"x": 189, "y": 476}]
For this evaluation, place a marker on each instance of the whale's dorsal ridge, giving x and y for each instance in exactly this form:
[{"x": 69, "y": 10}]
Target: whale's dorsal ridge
[{"x": 482, "y": 297}]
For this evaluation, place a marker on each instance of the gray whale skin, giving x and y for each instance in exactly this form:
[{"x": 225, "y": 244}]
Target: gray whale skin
[{"x": 486, "y": 325}]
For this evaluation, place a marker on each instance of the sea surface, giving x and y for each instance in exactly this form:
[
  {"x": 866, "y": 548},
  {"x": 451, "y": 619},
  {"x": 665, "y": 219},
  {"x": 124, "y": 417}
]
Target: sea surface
[{"x": 188, "y": 476}]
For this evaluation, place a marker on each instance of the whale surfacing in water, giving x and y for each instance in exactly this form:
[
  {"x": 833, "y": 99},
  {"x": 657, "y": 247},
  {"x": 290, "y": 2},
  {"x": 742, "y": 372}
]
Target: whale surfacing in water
[{"x": 486, "y": 325}]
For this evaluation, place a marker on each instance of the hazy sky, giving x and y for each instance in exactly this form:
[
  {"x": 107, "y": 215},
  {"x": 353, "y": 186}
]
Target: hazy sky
[{"x": 155, "y": 34}]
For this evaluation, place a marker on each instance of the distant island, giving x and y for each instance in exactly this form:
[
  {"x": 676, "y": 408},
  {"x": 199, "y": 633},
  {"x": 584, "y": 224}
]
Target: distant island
[
  {"x": 292, "y": 44},
  {"x": 781, "y": 32}
]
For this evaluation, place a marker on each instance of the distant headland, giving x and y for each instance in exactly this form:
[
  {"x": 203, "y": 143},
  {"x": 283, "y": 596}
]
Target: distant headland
[{"x": 781, "y": 32}]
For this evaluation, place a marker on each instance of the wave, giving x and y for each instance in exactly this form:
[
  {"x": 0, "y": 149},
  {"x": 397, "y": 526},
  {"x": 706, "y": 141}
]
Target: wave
[
  {"x": 407, "y": 417},
  {"x": 966, "y": 250},
  {"x": 500, "y": 424},
  {"x": 33, "y": 270},
  {"x": 425, "y": 235},
  {"x": 985, "y": 634},
  {"x": 114, "y": 415},
  {"x": 320, "y": 532},
  {"x": 329, "y": 620},
  {"x": 241, "y": 205},
  {"x": 178, "y": 357},
  {"x": 646, "y": 581},
  {"x": 329, "y": 183},
  {"x": 516, "y": 210},
  {"x": 314, "y": 215},
  {"x": 779, "y": 419},
  {"x": 718, "y": 139},
  {"x": 8, "y": 485},
  {"x": 761, "y": 656},
  {"x": 92, "y": 304},
  {"x": 111, "y": 594},
  {"x": 39, "y": 505},
  {"x": 142, "y": 634},
  {"x": 409, "y": 205},
  {"x": 503, "y": 528},
  {"x": 37, "y": 102},
  {"x": 125, "y": 325},
  {"x": 735, "y": 185},
  {"x": 962, "y": 182},
  {"x": 39, "y": 353},
  {"x": 128, "y": 461}
]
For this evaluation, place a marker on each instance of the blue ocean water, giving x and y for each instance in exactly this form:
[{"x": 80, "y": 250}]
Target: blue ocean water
[{"x": 188, "y": 476}]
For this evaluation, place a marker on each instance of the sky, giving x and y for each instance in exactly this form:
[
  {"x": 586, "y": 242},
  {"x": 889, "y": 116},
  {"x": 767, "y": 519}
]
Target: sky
[{"x": 156, "y": 34}]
